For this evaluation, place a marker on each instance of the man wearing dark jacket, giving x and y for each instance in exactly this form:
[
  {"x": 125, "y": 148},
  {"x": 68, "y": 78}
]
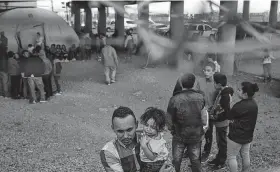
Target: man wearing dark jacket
[
  {"x": 33, "y": 68},
  {"x": 218, "y": 114},
  {"x": 187, "y": 118}
]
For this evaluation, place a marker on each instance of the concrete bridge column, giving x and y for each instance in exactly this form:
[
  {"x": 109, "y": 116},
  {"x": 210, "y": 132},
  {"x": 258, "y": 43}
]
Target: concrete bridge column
[
  {"x": 176, "y": 28},
  {"x": 102, "y": 19},
  {"x": 88, "y": 19},
  {"x": 273, "y": 13},
  {"x": 119, "y": 25},
  {"x": 246, "y": 10},
  {"x": 77, "y": 16},
  {"x": 227, "y": 36}
]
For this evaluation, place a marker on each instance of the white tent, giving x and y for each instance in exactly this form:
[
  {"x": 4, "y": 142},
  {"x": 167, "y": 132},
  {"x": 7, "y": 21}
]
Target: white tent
[{"x": 24, "y": 23}]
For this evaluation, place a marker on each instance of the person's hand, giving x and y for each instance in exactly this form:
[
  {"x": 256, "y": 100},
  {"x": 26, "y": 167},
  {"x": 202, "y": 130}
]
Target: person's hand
[
  {"x": 144, "y": 140},
  {"x": 205, "y": 128},
  {"x": 22, "y": 74},
  {"x": 32, "y": 75}
]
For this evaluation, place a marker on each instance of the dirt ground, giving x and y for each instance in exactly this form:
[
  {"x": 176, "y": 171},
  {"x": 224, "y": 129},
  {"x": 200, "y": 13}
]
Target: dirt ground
[{"x": 67, "y": 133}]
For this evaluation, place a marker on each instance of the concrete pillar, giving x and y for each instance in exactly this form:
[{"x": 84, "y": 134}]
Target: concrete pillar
[
  {"x": 246, "y": 10},
  {"x": 77, "y": 17},
  {"x": 102, "y": 19},
  {"x": 227, "y": 36},
  {"x": 273, "y": 13},
  {"x": 88, "y": 19},
  {"x": 119, "y": 25},
  {"x": 176, "y": 28}
]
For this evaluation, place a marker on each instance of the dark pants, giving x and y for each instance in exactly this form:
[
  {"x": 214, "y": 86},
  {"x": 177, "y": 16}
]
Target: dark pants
[
  {"x": 221, "y": 136},
  {"x": 57, "y": 85},
  {"x": 194, "y": 153},
  {"x": 47, "y": 80},
  {"x": 208, "y": 138},
  {"x": 15, "y": 86}
]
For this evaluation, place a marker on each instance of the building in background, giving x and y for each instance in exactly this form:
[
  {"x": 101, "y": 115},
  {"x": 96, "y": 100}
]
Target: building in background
[{"x": 8, "y": 5}]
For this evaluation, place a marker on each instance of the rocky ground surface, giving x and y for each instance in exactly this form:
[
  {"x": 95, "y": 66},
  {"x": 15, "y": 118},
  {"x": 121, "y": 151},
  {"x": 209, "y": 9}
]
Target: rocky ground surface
[{"x": 67, "y": 132}]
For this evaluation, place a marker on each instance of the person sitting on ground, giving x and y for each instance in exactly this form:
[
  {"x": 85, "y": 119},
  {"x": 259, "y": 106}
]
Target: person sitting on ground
[
  {"x": 33, "y": 68},
  {"x": 64, "y": 53},
  {"x": 110, "y": 62},
  {"x": 153, "y": 150}
]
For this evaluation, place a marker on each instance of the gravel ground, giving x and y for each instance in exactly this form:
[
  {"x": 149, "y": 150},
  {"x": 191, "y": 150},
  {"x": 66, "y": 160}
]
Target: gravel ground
[{"x": 67, "y": 133}]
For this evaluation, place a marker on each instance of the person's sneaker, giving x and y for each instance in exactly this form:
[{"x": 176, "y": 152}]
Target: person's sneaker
[
  {"x": 32, "y": 102},
  {"x": 113, "y": 81},
  {"x": 57, "y": 94},
  {"x": 212, "y": 163},
  {"x": 204, "y": 157},
  {"x": 43, "y": 101},
  {"x": 219, "y": 167},
  {"x": 66, "y": 60},
  {"x": 73, "y": 59}
]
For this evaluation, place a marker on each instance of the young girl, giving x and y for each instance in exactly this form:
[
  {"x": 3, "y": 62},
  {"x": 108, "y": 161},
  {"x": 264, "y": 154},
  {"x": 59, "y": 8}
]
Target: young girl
[
  {"x": 243, "y": 117},
  {"x": 64, "y": 53},
  {"x": 267, "y": 65},
  {"x": 153, "y": 151}
]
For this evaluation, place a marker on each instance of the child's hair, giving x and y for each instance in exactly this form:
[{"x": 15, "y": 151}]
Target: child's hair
[
  {"x": 187, "y": 80},
  {"x": 220, "y": 79},
  {"x": 11, "y": 54},
  {"x": 38, "y": 48},
  {"x": 249, "y": 88},
  {"x": 53, "y": 45},
  {"x": 210, "y": 64},
  {"x": 30, "y": 45},
  {"x": 157, "y": 115}
]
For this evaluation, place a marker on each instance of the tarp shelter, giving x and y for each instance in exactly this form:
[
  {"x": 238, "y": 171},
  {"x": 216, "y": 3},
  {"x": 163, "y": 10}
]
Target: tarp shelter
[{"x": 24, "y": 23}]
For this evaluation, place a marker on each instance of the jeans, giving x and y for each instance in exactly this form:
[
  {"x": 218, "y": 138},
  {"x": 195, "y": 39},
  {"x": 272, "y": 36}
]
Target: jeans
[
  {"x": 15, "y": 85},
  {"x": 47, "y": 80},
  {"x": 4, "y": 84},
  {"x": 110, "y": 73},
  {"x": 194, "y": 153},
  {"x": 25, "y": 92},
  {"x": 221, "y": 136},
  {"x": 233, "y": 150},
  {"x": 267, "y": 70},
  {"x": 208, "y": 138},
  {"x": 36, "y": 82},
  {"x": 56, "y": 81}
]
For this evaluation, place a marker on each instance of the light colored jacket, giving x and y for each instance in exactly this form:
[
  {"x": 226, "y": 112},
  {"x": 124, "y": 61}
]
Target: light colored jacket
[
  {"x": 13, "y": 67},
  {"x": 109, "y": 56}
]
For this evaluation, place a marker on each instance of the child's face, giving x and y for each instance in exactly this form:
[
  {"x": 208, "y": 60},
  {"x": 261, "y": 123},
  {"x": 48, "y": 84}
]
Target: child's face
[
  {"x": 208, "y": 72},
  {"x": 240, "y": 93},
  {"x": 217, "y": 86},
  {"x": 210, "y": 59},
  {"x": 150, "y": 128}
]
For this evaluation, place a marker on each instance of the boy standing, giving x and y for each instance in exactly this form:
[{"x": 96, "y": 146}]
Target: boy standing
[
  {"x": 206, "y": 85},
  {"x": 57, "y": 67},
  {"x": 110, "y": 62},
  {"x": 218, "y": 114}
]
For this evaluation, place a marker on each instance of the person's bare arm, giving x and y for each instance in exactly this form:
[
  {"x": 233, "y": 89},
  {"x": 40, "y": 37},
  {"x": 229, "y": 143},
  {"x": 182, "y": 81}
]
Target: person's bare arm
[{"x": 205, "y": 117}]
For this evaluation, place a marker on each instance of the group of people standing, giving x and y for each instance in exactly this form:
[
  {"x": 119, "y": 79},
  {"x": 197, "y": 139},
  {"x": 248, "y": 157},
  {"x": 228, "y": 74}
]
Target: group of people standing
[
  {"x": 31, "y": 71},
  {"x": 196, "y": 106}
]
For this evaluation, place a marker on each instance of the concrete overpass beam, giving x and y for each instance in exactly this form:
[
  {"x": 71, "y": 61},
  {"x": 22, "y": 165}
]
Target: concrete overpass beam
[{"x": 102, "y": 20}]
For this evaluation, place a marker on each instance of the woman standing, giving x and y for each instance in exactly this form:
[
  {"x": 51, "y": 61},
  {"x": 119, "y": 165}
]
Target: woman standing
[{"x": 243, "y": 117}]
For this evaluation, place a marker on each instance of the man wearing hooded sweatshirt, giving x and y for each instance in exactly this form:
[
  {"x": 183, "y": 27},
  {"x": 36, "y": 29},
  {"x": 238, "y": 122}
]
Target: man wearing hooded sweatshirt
[{"x": 218, "y": 114}]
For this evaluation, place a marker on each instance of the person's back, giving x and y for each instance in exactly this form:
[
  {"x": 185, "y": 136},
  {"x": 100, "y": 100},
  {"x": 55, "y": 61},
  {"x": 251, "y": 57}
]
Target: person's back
[
  {"x": 13, "y": 66},
  {"x": 109, "y": 56},
  {"x": 187, "y": 106}
]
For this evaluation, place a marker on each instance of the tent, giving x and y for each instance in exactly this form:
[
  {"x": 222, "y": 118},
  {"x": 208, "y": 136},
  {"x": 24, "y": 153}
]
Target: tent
[{"x": 21, "y": 25}]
